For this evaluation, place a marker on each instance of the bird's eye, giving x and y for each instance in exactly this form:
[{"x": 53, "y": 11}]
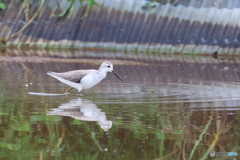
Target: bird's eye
[{"x": 108, "y": 66}]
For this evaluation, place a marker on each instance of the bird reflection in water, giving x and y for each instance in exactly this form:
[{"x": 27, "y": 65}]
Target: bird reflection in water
[{"x": 84, "y": 110}]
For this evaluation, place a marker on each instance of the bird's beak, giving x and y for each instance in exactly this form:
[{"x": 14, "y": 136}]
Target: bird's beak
[{"x": 116, "y": 75}]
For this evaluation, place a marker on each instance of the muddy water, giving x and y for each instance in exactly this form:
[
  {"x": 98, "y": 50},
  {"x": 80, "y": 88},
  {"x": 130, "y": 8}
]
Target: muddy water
[{"x": 167, "y": 108}]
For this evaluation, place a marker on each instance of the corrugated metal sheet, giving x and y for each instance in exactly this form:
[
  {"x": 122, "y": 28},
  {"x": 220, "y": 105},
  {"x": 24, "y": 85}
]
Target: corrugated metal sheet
[{"x": 193, "y": 26}]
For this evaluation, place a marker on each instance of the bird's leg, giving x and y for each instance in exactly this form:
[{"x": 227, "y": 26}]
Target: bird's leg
[{"x": 67, "y": 91}]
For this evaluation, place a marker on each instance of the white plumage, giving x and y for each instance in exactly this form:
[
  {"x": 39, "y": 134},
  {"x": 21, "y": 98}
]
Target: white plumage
[{"x": 84, "y": 79}]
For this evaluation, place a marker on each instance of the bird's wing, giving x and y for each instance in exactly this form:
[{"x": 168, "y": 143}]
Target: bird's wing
[{"x": 73, "y": 76}]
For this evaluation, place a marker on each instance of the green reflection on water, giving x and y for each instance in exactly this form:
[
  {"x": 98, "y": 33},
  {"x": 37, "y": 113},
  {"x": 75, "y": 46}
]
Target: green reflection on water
[
  {"x": 139, "y": 131},
  {"x": 144, "y": 125}
]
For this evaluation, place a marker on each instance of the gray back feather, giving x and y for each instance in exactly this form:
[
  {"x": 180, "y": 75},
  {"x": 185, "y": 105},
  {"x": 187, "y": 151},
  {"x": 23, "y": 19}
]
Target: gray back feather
[{"x": 73, "y": 76}]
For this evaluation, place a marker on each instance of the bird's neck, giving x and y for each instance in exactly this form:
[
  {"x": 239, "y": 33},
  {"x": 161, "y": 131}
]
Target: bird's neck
[{"x": 103, "y": 72}]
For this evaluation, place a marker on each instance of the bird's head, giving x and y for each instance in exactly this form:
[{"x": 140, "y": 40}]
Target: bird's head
[{"x": 108, "y": 67}]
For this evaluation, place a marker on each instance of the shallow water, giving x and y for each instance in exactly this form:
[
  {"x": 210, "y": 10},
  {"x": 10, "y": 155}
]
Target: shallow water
[{"x": 165, "y": 109}]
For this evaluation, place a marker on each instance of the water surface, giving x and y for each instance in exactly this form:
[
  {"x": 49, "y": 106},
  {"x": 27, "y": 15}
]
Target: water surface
[{"x": 166, "y": 108}]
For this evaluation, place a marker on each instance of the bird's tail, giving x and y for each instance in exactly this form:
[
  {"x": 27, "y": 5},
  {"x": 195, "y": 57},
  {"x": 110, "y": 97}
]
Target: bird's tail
[
  {"x": 50, "y": 73},
  {"x": 53, "y": 74},
  {"x": 67, "y": 82}
]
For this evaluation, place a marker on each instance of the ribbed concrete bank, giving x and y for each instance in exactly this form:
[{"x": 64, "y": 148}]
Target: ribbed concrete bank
[{"x": 187, "y": 26}]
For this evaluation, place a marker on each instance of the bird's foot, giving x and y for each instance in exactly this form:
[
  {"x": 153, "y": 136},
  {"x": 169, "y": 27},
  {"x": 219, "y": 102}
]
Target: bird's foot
[
  {"x": 79, "y": 94},
  {"x": 67, "y": 94},
  {"x": 67, "y": 91}
]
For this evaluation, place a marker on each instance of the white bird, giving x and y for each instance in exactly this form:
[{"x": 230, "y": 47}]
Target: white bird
[{"x": 84, "y": 79}]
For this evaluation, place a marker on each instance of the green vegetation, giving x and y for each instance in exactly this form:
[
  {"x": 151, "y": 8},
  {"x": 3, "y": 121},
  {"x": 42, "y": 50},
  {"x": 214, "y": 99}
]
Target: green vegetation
[
  {"x": 151, "y": 130},
  {"x": 26, "y": 4},
  {"x": 2, "y": 5},
  {"x": 68, "y": 12}
]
